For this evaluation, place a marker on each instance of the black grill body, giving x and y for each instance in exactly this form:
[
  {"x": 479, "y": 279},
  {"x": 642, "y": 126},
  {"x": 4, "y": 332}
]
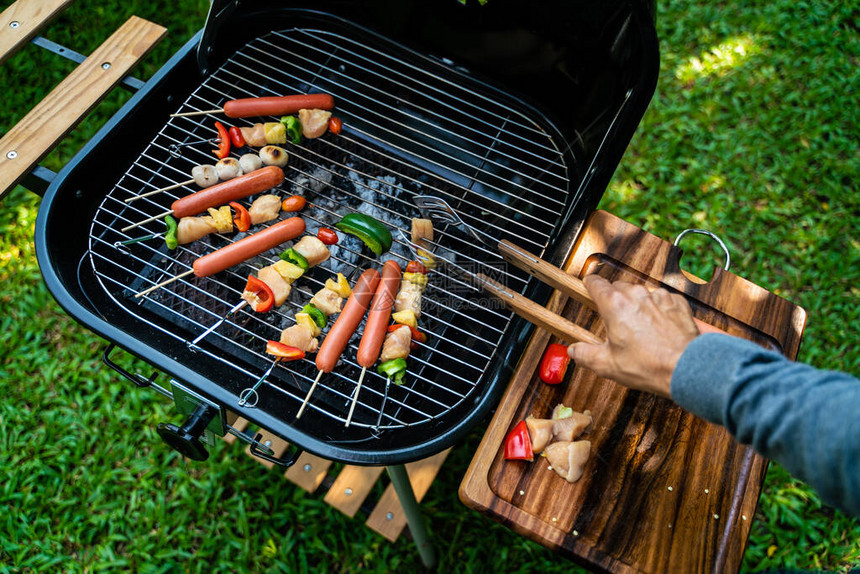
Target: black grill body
[{"x": 583, "y": 73}]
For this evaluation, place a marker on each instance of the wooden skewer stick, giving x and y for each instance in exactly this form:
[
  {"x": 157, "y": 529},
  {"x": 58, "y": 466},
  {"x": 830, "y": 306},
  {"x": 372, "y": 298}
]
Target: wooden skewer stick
[
  {"x": 163, "y": 283},
  {"x": 168, "y": 188},
  {"x": 198, "y": 113},
  {"x": 145, "y": 221},
  {"x": 355, "y": 396},
  {"x": 310, "y": 392}
]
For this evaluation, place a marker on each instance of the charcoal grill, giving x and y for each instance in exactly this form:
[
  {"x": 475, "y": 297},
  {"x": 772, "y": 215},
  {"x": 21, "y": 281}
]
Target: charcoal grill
[{"x": 516, "y": 117}]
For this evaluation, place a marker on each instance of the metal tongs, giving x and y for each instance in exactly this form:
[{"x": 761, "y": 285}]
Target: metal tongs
[{"x": 570, "y": 285}]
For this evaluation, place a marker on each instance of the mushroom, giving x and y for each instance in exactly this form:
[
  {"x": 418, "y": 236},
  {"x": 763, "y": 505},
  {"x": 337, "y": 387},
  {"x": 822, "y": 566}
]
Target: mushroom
[
  {"x": 274, "y": 155},
  {"x": 228, "y": 168},
  {"x": 250, "y": 162},
  {"x": 205, "y": 175}
]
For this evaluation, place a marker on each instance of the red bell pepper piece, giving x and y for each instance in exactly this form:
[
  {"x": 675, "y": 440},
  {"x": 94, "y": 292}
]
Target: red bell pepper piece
[
  {"x": 415, "y": 267},
  {"x": 236, "y": 137},
  {"x": 417, "y": 336},
  {"x": 553, "y": 366},
  {"x": 518, "y": 445},
  {"x": 223, "y": 141},
  {"x": 284, "y": 352},
  {"x": 258, "y": 294},
  {"x": 241, "y": 219}
]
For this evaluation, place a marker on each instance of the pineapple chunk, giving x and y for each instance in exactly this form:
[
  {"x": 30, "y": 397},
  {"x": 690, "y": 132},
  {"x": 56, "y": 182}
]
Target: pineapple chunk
[
  {"x": 276, "y": 132},
  {"x": 406, "y": 317},
  {"x": 341, "y": 287},
  {"x": 418, "y": 279},
  {"x": 222, "y": 219},
  {"x": 306, "y": 321},
  {"x": 289, "y": 271}
]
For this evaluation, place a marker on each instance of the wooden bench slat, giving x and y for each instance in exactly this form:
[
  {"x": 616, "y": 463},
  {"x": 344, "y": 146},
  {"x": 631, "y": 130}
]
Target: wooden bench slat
[
  {"x": 351, "y": 487},
  {"x": 421, "y": 475},
  {"x": 55, "y": 116},
  {"x": 31, "y": 16},
  {"x": 308, "y": 472}
]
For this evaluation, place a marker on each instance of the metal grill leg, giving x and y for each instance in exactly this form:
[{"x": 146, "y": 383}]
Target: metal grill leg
[{"x": 404, "y": 491}]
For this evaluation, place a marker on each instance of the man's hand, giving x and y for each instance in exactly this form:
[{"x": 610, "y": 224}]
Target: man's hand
[{"x": 646, "y": 333}]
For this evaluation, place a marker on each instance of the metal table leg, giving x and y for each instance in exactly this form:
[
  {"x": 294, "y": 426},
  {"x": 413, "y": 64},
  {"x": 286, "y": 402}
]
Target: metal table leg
[{"x": 417, "y": 527}]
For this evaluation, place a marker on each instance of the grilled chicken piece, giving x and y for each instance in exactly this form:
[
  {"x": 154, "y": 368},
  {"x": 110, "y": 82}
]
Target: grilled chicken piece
[
  {"x": 327, "y": 301},
  {"x": 193, "y": 228},
  {"x": 568, "y": 458},
  {"x": 265, "y": 208},
  {"x": 300, "y": 336},
  {"x": 540, "y": 432},
  {"x": 314, "y": 122},
  {"x": 204, "y": 175},
  {"x": 255, "y": 136},
  {"x": 276, "y": 283},
  {"x": 250, "y": 162},
  {"x": 228, "y": 168},
  {"x": 312, "y": 249},
  {"x": 396, "y": 344},
  {"x": 274, "y": 155},
  {"x": 571, "y": 427},
  {"x": 409, "y": 297}
]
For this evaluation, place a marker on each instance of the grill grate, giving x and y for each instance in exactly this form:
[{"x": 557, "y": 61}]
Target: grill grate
[{"x": 409, "y": 129}]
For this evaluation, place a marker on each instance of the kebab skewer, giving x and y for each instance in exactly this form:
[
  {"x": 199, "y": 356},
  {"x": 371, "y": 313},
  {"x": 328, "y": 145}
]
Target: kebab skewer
[
  {"x": 273, "y": 283},
  {"x": 227, "y": 168},
  {"x": 377, "y": 321},
  {"x": 339, "y": 334},
  {"x": 298, "y": 340},
  {"x": 222, "y": 193},
  {"x": 239, "y": 251}
]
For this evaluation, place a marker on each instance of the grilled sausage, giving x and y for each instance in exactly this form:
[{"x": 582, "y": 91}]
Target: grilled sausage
[
  {"x": 276, "y": 105},
  {"x": 346, "y": 324},
  {"x": 248, "y": 247},
  {"x": 227, "y": 191},
  {"x": 379, "y": 315}
]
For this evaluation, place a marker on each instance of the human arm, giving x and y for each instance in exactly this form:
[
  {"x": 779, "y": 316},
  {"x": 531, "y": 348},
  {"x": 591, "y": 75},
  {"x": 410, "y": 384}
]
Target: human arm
[{"x": 795, "y": 414}]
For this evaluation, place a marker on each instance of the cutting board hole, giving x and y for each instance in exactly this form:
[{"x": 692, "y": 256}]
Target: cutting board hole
[{"x": 700, "y": 258}]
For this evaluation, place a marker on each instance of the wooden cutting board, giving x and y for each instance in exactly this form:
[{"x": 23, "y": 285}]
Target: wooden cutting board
[{"x": 663, "y": 490}]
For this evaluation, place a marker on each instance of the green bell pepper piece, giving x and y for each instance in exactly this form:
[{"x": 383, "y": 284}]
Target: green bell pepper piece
[
  {"x": 294, "y": 128},
  {"x": 373, "y": 232},
  {"x": 318, "y": 316},
  {"x": 393, "y": 369},
  {"x": 294, "y": 256},
  {"x": 170, "y": 237}
]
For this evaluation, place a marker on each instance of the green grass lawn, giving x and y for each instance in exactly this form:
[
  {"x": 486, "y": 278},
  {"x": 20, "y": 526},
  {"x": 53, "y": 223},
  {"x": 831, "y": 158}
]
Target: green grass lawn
[{"x": 753, "y": 133}]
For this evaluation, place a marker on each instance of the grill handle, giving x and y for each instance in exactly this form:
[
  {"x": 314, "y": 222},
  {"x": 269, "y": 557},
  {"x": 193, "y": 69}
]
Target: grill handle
[
  {"x": 135, "y": 378},
  {"x": 285, "y": 461},
  {"x": 186, "y": 439}
]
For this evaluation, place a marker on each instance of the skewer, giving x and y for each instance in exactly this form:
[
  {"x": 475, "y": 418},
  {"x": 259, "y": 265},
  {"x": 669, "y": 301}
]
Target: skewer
[
  {"x": 168, "y": 188},
  {"x": 197, "y": 113},
  {"x": 384, "y": 400},
  {"x": 243, "y": 396},
  {"x": 136, "y": 240},
  {"x": 202, "y": 335},
  {"x": 145, "y": 221},
  {"x": 310, "y": 392},
  {"x": 355, "y": 396},
  {"x": 163, "y": 283}
]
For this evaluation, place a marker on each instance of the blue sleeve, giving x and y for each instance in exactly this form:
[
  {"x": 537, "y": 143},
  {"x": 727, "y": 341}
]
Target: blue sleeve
[{"x": 804, "y": 418}]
